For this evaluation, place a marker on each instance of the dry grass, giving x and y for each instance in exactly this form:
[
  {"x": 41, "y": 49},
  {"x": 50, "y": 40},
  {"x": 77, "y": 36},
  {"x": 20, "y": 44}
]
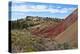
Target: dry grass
[
  {"x": 24, "y": 41},
  {"x": 69, "y": 35}
]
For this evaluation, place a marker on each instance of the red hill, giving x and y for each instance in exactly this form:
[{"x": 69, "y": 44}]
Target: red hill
[{"x": 54, "y": 31}]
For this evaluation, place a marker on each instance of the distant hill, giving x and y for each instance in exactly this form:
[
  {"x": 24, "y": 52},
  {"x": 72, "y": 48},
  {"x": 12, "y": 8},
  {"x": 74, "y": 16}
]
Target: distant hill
[{"x": 30, "y": 21}]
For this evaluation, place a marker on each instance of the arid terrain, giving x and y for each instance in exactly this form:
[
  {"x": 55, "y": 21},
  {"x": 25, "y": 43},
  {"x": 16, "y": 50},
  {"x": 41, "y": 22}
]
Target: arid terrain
[{"x": 44, "y": 33}]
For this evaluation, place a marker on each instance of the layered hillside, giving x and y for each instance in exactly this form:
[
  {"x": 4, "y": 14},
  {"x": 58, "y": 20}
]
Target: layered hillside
[
  {"x": 53, "y": 31},
  {"x": 41, "y": 34},
  {"x": 70, "y": 35}
]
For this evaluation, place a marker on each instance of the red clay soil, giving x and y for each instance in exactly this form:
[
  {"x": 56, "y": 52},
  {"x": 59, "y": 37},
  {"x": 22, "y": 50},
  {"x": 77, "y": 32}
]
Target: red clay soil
[{"x": 54, "y": 31}]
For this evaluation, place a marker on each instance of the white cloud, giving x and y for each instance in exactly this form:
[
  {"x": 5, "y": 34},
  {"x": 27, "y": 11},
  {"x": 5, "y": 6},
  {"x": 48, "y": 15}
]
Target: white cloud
[
  {"x": 40, "y": 8},
  {"x": 57, "y": 11},
  {"x": 25, "y": 8},
  {"x": 19, "y": 8},
  {"x": 62, "y": 10}
]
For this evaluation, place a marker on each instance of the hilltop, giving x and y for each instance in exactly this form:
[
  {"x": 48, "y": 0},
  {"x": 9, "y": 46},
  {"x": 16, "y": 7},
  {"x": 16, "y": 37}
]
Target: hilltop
[{"x": 30, "y": 21}]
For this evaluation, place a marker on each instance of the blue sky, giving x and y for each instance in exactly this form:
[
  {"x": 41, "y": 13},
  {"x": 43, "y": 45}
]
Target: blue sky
[{"x": 23, "y": 9}]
